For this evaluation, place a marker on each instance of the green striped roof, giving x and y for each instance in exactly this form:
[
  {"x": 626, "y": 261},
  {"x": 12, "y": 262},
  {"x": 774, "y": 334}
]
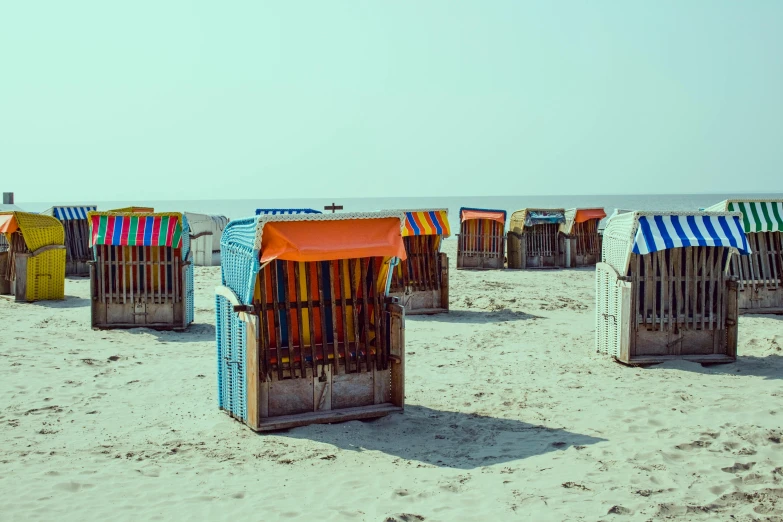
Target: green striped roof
[{"x": 759, "y": 216}]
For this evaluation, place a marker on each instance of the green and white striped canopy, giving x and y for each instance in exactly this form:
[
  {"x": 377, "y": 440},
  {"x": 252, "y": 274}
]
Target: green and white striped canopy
[{"x": 757, "y": 215}]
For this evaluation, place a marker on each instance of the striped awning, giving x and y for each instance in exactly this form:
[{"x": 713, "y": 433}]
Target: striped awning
[
  {"x": 136, "y": 229},
  {"x": 69, "y": 213},
  {"x": 426, "y": 223},
  {"x": 662, "y": 232},
  {"x": 759, "y": 216},
  {"x": 278, "y": 211}
]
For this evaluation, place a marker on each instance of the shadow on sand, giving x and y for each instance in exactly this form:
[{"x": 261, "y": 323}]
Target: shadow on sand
[
  {"x": 445, "y": 438},
  {"x": 195, "y": 333},
  {"x": 70, "y": 301},
  {"x": 475, "y": 316},
  {"x": 768, "y": 367}
]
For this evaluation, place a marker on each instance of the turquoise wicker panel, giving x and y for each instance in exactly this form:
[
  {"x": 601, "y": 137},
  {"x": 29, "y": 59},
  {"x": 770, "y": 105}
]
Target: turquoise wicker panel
[
  {"x": 238, "y": 260},
  {"x": 190, "y": 308},
  {"x": 230, "y": 333}
]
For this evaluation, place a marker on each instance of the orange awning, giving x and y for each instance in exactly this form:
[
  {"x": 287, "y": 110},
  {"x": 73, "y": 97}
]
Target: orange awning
[
  {"x": 585, "y": 214},
  {"x": 8, "y": 224},
  {"x": 330, "y": 240},
  {"x": 494, "y": 215}
]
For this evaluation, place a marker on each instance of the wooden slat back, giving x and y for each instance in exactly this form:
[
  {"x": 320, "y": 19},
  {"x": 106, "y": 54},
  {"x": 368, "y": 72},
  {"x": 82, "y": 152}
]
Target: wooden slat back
[
  {"x": 316, "y": 314},
  {"x": 680, "y": 288}
]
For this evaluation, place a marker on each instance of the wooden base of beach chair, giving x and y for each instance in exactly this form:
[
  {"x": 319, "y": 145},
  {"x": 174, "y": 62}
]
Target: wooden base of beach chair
[
  {"x": 327, "y": 417},
  {"x": 761, "y": 300},
  {"x": 158, "y": 316},
  {"x": 327, "y": 398},
  {"x": 701, "y": 359},
  {"x": 77, "y": 268},
  {"x": 423, "y": 302},
  {"x": 479, "y": 262}
]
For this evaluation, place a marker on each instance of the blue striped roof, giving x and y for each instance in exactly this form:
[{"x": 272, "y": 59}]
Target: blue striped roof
[
  {"x": 68, "y": 213},
  {"x": 661, "y": 232},
  {"x": 275, "y": 211}
]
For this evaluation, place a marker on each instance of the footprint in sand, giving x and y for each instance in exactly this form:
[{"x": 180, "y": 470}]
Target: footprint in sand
[
  {"x": 72, "y": 487},
  {"x": 404, "y": 517}
]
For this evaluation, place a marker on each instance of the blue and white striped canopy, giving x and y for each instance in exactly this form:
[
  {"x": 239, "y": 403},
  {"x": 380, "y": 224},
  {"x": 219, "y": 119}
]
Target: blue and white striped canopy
[
  {"x": 661, "y": 232},
  {"x": 68, "y": 213},
  {"x": 276, "y": 211}
]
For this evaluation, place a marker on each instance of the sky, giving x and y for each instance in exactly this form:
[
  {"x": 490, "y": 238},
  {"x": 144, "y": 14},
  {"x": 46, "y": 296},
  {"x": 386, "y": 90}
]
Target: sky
[{"x": 188, "y": 99}]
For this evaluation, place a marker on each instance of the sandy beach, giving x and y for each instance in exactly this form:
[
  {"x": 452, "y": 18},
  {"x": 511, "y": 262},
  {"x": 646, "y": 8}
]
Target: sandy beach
[{"x": 510, "y": 414}]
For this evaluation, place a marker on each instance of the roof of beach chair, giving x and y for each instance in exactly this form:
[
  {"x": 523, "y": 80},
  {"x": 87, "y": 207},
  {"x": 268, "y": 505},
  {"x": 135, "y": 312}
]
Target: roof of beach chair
[
  {"x": 426, "y": 222},
  {"x": 758, "y": 215},
  {"x": 134, "y": 228},
  {"x": 67, "y": 213},
  {"x": 580, "y": 215},
  {"x": 528, "y": 217},
  {"x": 468, "y": 214},
  {"x": 277, "y": 211},
  {"x": 644, "y": 232},
  {"x": 37, "y": 230}
]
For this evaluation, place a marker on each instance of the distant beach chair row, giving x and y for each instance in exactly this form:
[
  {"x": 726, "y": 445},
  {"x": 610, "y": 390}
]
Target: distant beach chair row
[{"x": 537, "y": 238}]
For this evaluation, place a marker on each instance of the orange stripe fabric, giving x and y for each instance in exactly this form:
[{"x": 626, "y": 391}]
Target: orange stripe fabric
[
  {"x": 331, "y": 240},
  {"x": 8, "y": 224},
  {"x": 468, "y": 215},
  {"x": 586, "y": 214}
]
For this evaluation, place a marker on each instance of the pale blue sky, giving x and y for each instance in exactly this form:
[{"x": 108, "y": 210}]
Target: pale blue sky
[{"x": 186, "y": 99}]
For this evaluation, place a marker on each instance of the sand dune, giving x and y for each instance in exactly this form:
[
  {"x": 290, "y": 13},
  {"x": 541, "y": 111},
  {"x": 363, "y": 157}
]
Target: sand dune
[{"x": 510, "y": 415}]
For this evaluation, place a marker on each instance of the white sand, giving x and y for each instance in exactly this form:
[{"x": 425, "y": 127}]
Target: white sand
[{"x": 510, "y": 414}]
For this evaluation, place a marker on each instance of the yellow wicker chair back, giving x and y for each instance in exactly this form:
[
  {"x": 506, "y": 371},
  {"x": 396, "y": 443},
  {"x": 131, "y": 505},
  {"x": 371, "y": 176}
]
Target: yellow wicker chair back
[{"x": 45, "y": 267}]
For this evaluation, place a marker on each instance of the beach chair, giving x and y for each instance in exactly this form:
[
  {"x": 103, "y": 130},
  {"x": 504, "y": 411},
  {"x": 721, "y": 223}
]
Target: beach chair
[
  {"x": 760, "y": 274},
  {"x": 580, "y": 238},
  {"x": 662, "y": 288},
  {"x": 534, "y": 240},
  {"x": 422, "y": 280},
  {"x": 77, "y": 236},
  {"x": 481, "y": 243},
  {"x": 33, "y": 266},
  {"x": 141, "y": 274},
  {"x": 305, "y": 331},
  {"x": 205, "y": 231}
]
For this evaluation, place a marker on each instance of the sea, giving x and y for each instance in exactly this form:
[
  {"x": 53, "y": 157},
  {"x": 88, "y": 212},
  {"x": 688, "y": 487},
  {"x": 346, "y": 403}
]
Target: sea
[{"x": 237, "y": 208}]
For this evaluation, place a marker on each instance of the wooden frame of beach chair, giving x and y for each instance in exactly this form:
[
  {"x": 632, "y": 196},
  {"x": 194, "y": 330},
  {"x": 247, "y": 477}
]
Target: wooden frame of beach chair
[
  {"x": 205, "y": 231},
  {"x": 534, "y": 239},
  {"x": 421, "y": 282},
  {"x": 34, "y": 267},
  {"x": 306, "y": 332},
  {"x": 760, "y": 274},
  {"x": 141, "y": 274},
  {"x": 77, "y": 237},
  {"x": 662, "y": 288},
  {"x": 481, "y": 243},
  {"x": 581, "y": 240}
]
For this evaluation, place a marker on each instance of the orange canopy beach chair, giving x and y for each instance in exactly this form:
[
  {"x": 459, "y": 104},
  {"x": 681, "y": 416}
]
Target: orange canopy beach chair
[
  {"x": 481, "y": 240},
  {"x": 305, "y": 330}
]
